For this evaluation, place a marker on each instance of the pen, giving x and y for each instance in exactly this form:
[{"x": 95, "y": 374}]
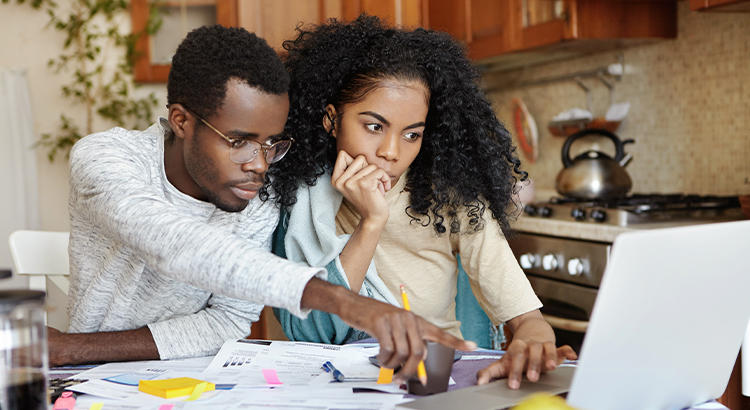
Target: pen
[
  {"x": 337, "y": 375},
  {"x": 421, "y": 372}
]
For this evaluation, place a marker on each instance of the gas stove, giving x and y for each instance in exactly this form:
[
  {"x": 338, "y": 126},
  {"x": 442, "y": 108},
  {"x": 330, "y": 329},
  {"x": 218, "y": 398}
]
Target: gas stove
[
  {"x": 639, "y": 209},
  {"x": 565, "y": 272}
]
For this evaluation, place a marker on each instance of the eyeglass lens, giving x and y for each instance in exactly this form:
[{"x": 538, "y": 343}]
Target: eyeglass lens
[{"x": 246, "y": 151}]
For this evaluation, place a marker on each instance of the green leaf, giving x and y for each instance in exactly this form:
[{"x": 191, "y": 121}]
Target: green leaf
[{"x": 103, "y": 90}]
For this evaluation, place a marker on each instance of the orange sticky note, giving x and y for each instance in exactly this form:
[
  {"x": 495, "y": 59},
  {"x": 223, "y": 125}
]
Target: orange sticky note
[{"x": 385, "y": 376}]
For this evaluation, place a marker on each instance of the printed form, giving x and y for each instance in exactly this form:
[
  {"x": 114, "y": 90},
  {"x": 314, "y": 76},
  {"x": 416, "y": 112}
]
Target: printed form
[{"x": 252, "y": 374}]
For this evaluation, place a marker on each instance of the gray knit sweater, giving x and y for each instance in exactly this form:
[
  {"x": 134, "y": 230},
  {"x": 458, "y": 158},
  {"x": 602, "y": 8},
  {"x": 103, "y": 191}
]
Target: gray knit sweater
[{"x": 143, "y": 253}]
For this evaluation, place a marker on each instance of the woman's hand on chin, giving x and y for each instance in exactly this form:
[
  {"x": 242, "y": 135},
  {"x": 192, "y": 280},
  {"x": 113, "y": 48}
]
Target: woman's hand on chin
[{"x": 362, "y": 184}]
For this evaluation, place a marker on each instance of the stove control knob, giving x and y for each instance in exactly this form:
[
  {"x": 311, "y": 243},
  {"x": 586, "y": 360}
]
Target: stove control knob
[
  {"x": 544, "y": 211},
  {"x": 579, "y": 214},
  {"x": 530, "y": 210},
  {"x": 528, "y": 260},
  {"x": 599, "y": 215},
  {"x": 549, "y": 262},
  {"x": 575, "y": 267}
]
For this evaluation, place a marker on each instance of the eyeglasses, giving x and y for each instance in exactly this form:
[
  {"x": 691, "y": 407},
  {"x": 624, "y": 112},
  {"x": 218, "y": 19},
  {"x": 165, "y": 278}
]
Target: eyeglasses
[{"x": 244, "y": 151}]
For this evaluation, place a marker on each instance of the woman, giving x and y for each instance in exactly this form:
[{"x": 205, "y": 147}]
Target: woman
[{"x": 398, "y": 157}]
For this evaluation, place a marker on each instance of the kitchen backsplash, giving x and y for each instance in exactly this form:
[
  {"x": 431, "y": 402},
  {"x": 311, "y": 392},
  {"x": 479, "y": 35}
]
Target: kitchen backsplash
[{"x": 689, "y": 115}]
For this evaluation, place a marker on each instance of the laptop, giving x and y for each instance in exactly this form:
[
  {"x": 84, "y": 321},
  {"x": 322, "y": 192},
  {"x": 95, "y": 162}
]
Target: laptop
[{"x": 667, "y": 325}]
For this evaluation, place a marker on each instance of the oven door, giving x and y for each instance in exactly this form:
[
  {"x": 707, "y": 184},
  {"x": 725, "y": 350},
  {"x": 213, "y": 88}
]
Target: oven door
[{"x": 566, "y": 307}]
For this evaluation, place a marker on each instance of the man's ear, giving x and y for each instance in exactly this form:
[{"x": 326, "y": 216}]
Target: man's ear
[
  {"x": 178, "y": 119},
  {"x": 329, "y": 120}
]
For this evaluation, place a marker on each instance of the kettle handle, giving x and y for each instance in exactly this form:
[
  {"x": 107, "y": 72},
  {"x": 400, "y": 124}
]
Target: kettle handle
[{"x": 619, "y": 145}]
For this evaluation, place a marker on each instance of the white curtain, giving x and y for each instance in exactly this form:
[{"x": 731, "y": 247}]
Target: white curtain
[{"x": 19, "y": 205}]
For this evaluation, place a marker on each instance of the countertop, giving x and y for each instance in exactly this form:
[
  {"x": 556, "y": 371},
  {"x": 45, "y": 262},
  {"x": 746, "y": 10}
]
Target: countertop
[{"x": 591, "y": 231}]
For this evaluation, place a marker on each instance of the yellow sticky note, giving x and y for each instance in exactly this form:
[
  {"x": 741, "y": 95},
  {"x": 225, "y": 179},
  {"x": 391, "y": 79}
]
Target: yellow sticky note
[
  {"x": 543, "y": 401},
  {"x": 197, "y": 391},
  {"x": 385, "y": 376},
  {"x": 169, "y": 388}
]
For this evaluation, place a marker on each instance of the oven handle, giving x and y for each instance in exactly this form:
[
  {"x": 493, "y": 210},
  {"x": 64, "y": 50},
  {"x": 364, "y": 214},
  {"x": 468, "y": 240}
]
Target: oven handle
[{"x": 567, "y": 324}]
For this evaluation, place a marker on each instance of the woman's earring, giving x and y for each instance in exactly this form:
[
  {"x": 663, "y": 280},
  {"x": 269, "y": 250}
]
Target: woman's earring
[{"x": 331, "y": 121}]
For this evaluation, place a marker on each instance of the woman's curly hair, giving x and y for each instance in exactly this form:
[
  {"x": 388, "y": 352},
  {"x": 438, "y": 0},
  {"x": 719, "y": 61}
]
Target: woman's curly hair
[{"x": 467, "y": 161}]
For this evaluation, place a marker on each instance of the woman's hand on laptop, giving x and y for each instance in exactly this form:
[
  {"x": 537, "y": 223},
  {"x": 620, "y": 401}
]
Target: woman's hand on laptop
[{"x": 532, "y": 351}]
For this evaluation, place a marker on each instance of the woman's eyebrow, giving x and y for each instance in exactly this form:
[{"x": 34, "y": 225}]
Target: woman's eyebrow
[
  {"x": 415, "y": 125},
  {"x": 376, "y": 116},
  {"x": 383, "y": 120}
]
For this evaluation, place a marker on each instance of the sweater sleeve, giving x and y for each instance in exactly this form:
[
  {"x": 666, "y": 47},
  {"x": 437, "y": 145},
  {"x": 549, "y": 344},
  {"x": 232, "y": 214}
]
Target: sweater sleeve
[
  {"x": 318, "y": 327},
  {"x": 204, "y": 332},
  {"x": 111, "y": 184}
]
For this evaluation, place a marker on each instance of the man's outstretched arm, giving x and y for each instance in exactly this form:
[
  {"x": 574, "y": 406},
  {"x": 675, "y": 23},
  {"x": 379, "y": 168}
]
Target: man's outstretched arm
[
  {"x": 198, "y": 334},
  {"x": 99, "y": 347},
  {"x": 401, "y": 334}
]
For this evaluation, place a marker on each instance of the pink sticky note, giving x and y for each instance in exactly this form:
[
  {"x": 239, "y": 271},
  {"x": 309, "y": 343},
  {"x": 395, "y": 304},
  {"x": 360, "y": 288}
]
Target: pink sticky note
[
  {"x": 271, "y": 376},
  {"x": 166, "y": 407}
]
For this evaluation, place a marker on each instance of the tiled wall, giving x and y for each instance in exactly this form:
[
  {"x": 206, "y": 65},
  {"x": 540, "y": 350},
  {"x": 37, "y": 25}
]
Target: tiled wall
[{"x": 690, "y": 107}]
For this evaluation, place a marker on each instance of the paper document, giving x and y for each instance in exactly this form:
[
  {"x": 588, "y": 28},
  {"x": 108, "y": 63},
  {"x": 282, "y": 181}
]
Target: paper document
[
  {"x": 243, "y": 362},
  {"x": 252, "y": 374},
  {"x": 194, "y": 365}
]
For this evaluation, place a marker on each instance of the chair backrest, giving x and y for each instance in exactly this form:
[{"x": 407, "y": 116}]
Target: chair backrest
[
  {"x": 43, "y": 255},
  {"x": 40, "y": 252}
]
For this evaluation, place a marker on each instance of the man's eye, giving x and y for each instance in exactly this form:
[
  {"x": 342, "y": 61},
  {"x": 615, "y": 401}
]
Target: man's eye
[
  {"x": 413, "y": 136},
  {"x": 374, "y": 127},
  {"x": 239, "y": 144}
]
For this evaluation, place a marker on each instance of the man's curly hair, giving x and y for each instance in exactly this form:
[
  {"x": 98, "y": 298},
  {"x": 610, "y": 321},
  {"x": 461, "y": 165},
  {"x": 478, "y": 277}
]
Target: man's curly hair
[
  {"x": 210, "y": 56},
  {"x": 467, "y": 161}
]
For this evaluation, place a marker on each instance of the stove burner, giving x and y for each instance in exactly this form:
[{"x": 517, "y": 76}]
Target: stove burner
[
  {"x": 655, "y": 202},
  {"x": 639, "y": 208}
]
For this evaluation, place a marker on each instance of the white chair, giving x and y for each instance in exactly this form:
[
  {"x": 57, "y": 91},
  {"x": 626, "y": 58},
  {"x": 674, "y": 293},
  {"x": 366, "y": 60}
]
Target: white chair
[{"x": 42, "y": 255}]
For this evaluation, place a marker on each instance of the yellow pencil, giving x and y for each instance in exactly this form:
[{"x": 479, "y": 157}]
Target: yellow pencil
[{"x": 421, "y": 372}]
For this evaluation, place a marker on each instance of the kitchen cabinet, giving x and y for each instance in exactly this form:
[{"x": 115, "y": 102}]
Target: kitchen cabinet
[
  {"x": 720, "y": 5},
  {"x": 518, "y": 32},
  {"x": 407, "y": 13},
  {"x": 178, "y": 18},
  {"x": 274, "y": 20}
]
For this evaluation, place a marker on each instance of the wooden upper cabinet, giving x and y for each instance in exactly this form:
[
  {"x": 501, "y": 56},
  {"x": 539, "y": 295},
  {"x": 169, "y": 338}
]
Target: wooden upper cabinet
[
  {"x": 274, "y": 20},
  {"x": 720, "y": 5},
  {"x": 551, "y": 28},
  {"x": 406, "y": 13},
  {"x": 503, "y": 33},
  {"x": 178, "y": 18},
  {"x": 487, "y": 26}
]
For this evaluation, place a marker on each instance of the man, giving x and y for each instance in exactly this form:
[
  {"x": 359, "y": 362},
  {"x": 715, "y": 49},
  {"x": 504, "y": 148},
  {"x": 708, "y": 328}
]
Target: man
[{"x": 170, "y": 238}]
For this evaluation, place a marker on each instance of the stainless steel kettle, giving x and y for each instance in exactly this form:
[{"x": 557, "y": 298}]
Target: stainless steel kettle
[{"x": 593, "y": 174}]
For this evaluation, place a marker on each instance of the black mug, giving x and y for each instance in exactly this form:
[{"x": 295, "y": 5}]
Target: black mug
[{"x": 438, "y": 365}]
